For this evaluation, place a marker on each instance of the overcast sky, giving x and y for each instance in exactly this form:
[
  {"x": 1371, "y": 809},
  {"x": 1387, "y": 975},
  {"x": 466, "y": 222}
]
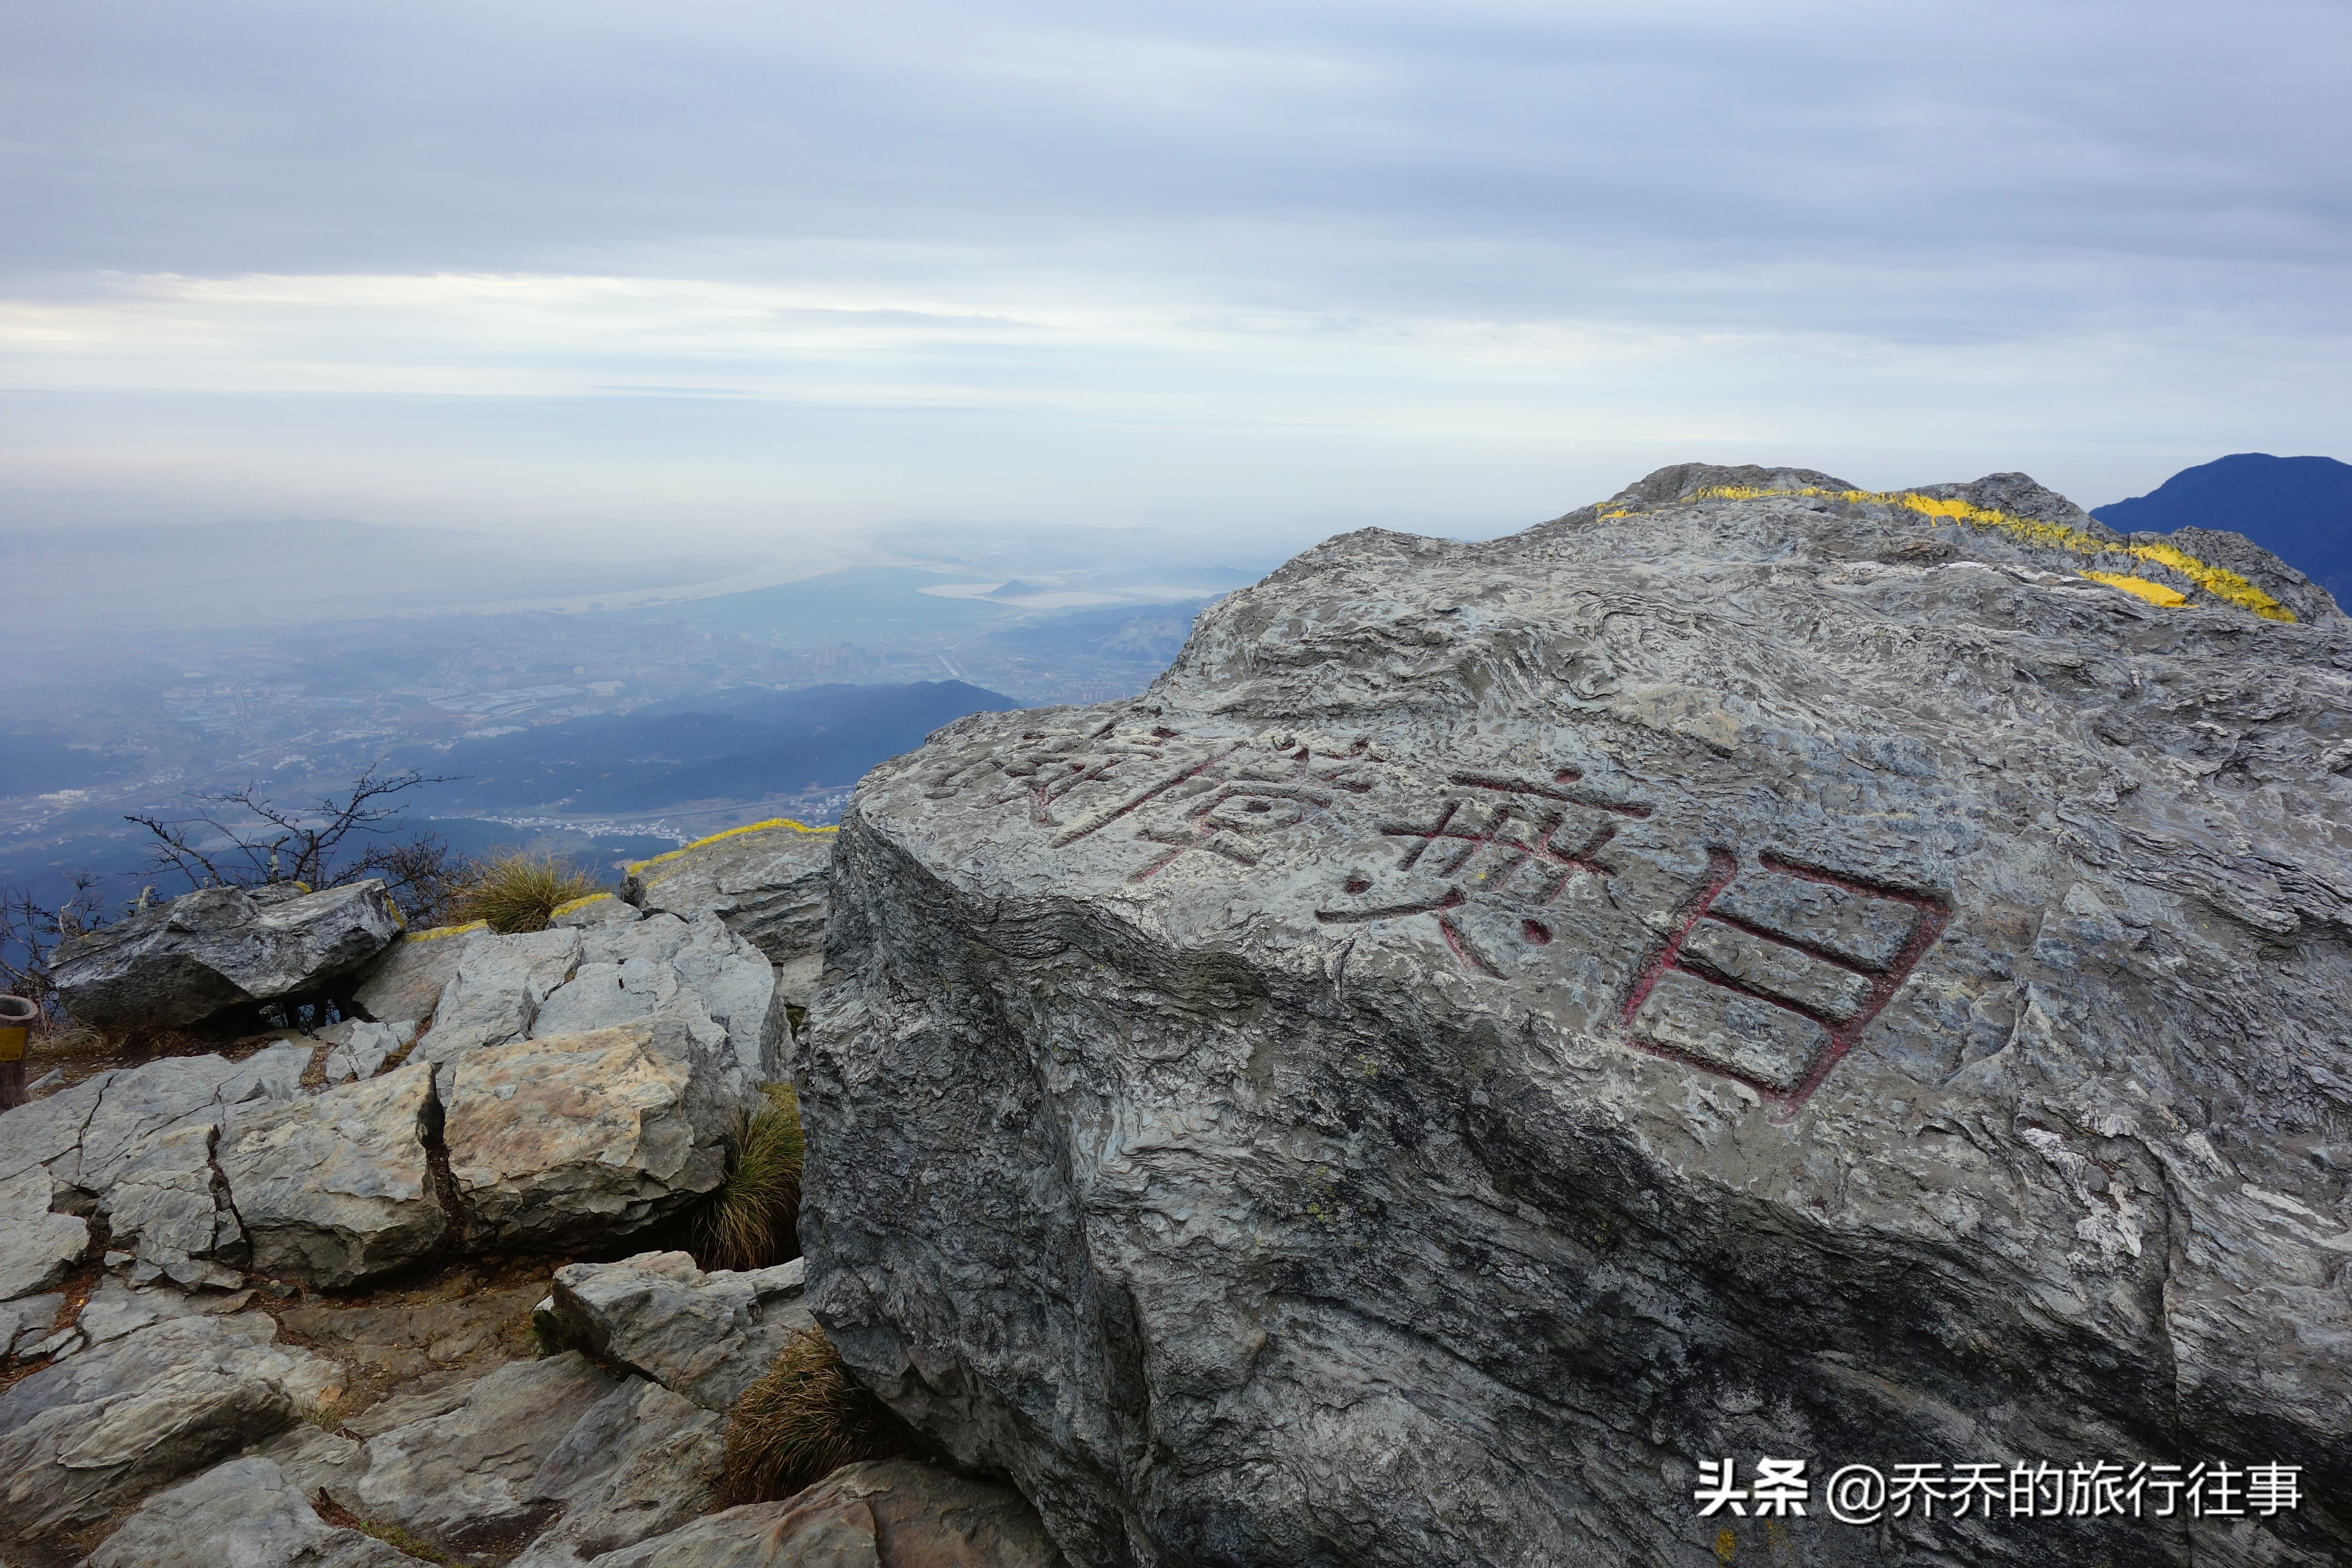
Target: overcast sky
[{"x": 683, "y": 274}]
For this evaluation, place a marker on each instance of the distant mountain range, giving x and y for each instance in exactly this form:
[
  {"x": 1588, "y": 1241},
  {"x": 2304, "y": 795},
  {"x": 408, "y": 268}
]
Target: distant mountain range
[
  {"x": 740, "y": 745},
  {"x": 2298, "y": 508}
]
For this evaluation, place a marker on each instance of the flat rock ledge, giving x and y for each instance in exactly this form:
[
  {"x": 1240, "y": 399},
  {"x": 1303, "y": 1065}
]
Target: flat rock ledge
[{"x": 1752, "y": 968}]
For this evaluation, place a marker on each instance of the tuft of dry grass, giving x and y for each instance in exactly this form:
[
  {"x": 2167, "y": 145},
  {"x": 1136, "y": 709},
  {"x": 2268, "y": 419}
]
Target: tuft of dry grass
[
  {"x": 754, "y": 1220},
  {"x": 804, "y": 1419},
  {"x": 519, "y": 891}
]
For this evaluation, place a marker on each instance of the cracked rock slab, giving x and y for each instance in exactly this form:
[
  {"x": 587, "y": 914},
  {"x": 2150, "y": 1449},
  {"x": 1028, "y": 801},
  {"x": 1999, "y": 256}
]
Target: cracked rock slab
[
  {"x": 246, "y": 1513},
  {"x": 575, "y": 1137},
  {"x": 136, "y": 1146},
  {"x": 37, "y": 1247},
  {"x": 706, "y": 1336},
  {"x": 335, "y": 1188},
  {"x": 83, "y": 1435}
]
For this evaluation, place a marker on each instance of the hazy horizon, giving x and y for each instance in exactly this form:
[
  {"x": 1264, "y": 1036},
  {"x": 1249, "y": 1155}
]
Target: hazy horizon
[{"x": 761, "y": 278}]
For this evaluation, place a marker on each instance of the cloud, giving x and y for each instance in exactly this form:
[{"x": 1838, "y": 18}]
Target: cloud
[{"x": 1287, "y": 263}]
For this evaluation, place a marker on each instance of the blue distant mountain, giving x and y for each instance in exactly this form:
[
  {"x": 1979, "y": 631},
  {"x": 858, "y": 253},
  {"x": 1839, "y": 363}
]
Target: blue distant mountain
[{"x": 2298, "y": 508}]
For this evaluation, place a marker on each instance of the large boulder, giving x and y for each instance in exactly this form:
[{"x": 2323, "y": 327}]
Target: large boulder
[
  {"x": 337, "y": 1188},
  {"x": 767, "y": 882},
  {"x": 1749, "y": 969},
  {"x": 706, "y": 1336},
  {"x": 576, "y": 1139},
  {"x": 219, "y": 948}
]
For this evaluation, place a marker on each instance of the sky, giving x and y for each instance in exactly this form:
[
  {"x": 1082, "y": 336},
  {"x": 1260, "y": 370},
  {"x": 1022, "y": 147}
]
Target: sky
[{"x": 703, "y": 276}]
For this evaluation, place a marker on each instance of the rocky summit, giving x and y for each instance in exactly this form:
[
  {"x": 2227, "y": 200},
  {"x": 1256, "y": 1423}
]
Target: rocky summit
[{"x": 1753, "y": 968}]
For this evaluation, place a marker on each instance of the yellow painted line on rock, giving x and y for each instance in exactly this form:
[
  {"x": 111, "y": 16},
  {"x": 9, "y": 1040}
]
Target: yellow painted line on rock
[
  {"x": 636, "y": 866},
  {"x": 2153, "y": 593},
  {"x": 2220, "y": 582}
]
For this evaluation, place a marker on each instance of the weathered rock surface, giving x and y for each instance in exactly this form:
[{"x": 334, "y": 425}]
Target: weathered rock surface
[
  {"x": 243, "y": 1514},
  {"x": 336, "y": 1188},
  {"x": 595, "y": 910},
  {"x": 119, "y": 1418},
  {"x": 636, "y": 1465},
  {"x": 37, "y": 1247},
  {"x": 896, "y": 1513},
  {"x": 706, "y": 1336},
  {"x": 219, "y": 948},
  {"x": 358, "y": 1048},
  {"x": 1748, "y": 969},
  {"x": 766, "y": 882},
  {"x": 575, "y": 1138},
  {"x": 461, "y": 1475},
  {"x": 136, "y": 1147},
  {"x": 495, "y": 993},
  {"x": 663, "y": 965},
  {"x": 408, "y": 980}
]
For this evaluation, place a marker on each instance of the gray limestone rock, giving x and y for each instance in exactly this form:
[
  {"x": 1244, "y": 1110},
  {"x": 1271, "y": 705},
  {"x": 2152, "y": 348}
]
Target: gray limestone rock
[
  {"x": 358, "y": 1048},
  {"x": 219, "y": 948},
  {"x": 706, "y": 1336},
  {"x": 26, "y": 1321},
  {"x": 496, "y": 990},
  {"x": 1747, "y": 969},
  {"x": 313, "y": 1458},
  {"x": 766, "y": 882},
  {"x": 638, "y": 1464},
  {"x": 571, "y": 1138},
  {"x": 595, "y": 910},
  {"x": 407, "y": 979},
  {"x": 461, "y": 1477},
  {"x": 246, "y": 1513},
  {"x": 82, "y": 1437},
  {"x": 658, "y": 966},
  {"x": 37, "y": 1247},
  {"x": 136, "y": 1147},
  {"x": 892, "y": 1513},
  {"x": 335, "y": 1188}
]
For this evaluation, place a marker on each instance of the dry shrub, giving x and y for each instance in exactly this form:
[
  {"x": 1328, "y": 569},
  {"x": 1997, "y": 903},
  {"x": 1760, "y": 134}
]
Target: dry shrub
[
  {"x": 754, "y": 1220},
  {"x": 801, "y": 1421},
  {"x": 519, "y": 891}
]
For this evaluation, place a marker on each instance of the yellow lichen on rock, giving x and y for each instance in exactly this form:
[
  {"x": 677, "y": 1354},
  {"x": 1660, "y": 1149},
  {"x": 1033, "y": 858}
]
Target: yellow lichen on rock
[
  {"x": 2153, "y": 593},
  {"x": 636, "y": 866},
  {"x": 579, "y": 903},
  {"x": 439, "y": 931},
  {"x": 2223, "y": 585}
]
